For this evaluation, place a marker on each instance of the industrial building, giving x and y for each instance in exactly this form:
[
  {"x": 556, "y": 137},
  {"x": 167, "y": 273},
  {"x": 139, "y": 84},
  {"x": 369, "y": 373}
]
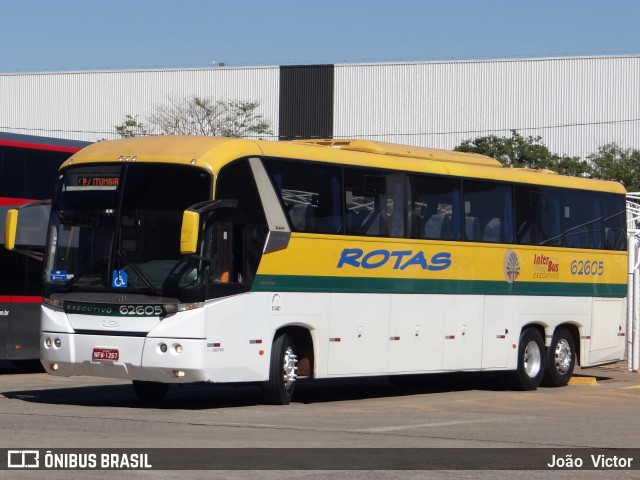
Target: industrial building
[{"x": 576, "y": 104}]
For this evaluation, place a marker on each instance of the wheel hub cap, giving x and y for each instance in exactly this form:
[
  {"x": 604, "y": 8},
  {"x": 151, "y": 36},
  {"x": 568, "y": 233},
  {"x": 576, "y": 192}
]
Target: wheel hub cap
[
  {"x": 563, "y": 356},
  {"x": 532, "y": 359},
  {"x": 290, "y": 367}
]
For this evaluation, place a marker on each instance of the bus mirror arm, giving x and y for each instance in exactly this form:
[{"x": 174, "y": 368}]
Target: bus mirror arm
[
  {"x": 191, "y": 222},
  {"x": 38, "y": 256},
  {"x": 210, "y": 205},
  {"x": 210, "y": 261}
]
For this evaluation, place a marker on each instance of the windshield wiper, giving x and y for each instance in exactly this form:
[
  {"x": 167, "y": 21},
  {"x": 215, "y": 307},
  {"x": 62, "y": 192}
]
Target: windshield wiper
[
  {"x": 138, "y": 271},
  {"x": 84, "y": 273}
]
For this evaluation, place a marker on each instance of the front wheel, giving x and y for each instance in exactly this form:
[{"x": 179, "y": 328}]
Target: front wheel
[
  {"x": 530, "y": 370},
  {"x": 561, "y": 359},
  {"x": 150, "y": 392},
  {"x": 283, "y": 371}
]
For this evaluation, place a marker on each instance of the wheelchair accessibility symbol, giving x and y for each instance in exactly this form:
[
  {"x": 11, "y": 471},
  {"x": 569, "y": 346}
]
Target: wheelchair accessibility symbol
[{"x": 119, "y": 279}]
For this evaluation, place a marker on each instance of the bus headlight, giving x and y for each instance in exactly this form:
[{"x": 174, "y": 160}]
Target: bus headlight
[
  {"x": 163, "y": 347},
  {"x": 178, "y": 348},
  {"x": 53, "y": 302},
  {"x": 48, "y": 342},
  {"x": 185, "y": 307},
  {"x": 57, "y": 342}
]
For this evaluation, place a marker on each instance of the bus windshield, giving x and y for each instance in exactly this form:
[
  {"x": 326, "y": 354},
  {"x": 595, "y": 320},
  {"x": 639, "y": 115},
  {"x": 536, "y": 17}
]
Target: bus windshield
[{"x": 117, "y": 228}]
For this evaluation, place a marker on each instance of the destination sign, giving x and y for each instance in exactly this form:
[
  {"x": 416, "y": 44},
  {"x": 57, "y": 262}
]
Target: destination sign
[{"x": 98, "y": 181}]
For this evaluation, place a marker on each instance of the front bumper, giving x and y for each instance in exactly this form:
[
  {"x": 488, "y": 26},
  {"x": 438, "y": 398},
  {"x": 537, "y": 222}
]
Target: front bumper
[{"x": 139, "y": 358}]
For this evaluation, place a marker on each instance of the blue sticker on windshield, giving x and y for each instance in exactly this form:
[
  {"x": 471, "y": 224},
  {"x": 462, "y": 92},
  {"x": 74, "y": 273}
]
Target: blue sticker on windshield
[
  {"x": 119, "y": 279},
  {"x": 58, "y": 275}
]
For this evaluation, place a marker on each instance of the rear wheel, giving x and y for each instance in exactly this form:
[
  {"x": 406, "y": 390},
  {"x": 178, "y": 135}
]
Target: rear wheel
[
  {"x": 561, "y": 359},
  {"x": 150, "y": 392},
  {"x": 531, "y": 357},
  {"x": 283, "y": 371},
  {"x": 406, "y": 381}
]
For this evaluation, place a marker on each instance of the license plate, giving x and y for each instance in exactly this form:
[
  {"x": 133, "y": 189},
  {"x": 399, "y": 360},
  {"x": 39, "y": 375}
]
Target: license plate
[{"x": 109, "y": 354}]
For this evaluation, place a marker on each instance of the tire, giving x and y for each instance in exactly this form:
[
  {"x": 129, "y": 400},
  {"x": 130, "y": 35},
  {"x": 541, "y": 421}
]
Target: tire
[
  {"x": 406, "y": 381},
  {"x": 150, "y": 392},
  {"x": 34, "y": 366},
  {"x": 283, "y": 371},
  {"x": 531, "y": 359},
  {"x": 561, "y": 359}
]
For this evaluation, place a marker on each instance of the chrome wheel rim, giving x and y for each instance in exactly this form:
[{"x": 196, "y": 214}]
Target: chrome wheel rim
[
  {"x": 290, "y": 368},
  {"x": 563, "y": 356},
  {"x": 532, "y": 359}
]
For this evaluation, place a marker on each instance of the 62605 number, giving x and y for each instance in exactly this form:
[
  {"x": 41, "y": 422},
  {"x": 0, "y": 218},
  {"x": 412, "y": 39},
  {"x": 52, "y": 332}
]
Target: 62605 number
[
  {"x": 587, "y": 267},
  {"x": 141, "y": 310}
]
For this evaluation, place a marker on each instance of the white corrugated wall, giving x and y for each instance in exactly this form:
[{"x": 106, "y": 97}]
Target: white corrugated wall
[
  {"x": 88, "y": 105},
  {"x": 574, "y": 104}
]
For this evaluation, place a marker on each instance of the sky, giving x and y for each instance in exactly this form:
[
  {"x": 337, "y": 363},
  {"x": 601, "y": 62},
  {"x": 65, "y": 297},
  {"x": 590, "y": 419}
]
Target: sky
[{"x": 71, "y": 35}]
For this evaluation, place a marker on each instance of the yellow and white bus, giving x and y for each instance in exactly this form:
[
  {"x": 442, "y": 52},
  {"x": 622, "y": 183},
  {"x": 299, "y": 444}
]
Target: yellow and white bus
[{"x": 196, "y": 259}]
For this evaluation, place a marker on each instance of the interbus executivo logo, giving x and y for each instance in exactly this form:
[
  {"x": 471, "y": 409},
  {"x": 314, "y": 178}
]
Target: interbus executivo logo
[
  {"x": 511, "y": 266},
  {"x": 546, "y": 267}
]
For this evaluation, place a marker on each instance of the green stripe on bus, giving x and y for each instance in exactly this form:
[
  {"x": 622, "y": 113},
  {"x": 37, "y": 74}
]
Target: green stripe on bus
[{"x": 299, "y": 283}]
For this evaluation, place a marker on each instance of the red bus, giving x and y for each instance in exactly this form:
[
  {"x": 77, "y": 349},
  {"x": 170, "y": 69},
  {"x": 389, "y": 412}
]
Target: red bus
[{"x": 28, "y": 168}]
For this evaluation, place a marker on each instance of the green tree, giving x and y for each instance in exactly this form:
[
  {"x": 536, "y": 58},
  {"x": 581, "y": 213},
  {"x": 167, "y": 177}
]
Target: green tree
[
  {"x": 612, "y": 162},
  {"x": 131, "y": 127},
  {"x": 572, "y": 166},
  {"x": 525, "y": 152},
  {"x": 200, "y": 116}
]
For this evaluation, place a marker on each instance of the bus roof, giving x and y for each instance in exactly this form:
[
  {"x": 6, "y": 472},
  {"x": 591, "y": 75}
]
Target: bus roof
[
  {"x": 40, "y": 143},
  {"x": 212, "y": 153}
]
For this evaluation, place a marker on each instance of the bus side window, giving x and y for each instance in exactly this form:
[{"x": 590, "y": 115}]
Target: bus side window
[
  {"x": 615, "y": 232},
  {"x": 363, "y": 215},
  {"x": 582, "y": 219},
  {"x": 17, "y": 167},
  {"x": 434, "y": 208},
  {"x": 394, "y": 202},
  {"x": 310, "y": 194},
  {"x": 538, "y": 216},
  {"x": 374, "y": 202},
  {"x": 362, "y": 203},
  {"x": 488, "y": 212}
]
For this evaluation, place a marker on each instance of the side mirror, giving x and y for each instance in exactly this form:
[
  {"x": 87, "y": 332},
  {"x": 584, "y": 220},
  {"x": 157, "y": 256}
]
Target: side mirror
[
  {"x": 25, "y": 229},
  {"x": 189, "y": 232}
]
